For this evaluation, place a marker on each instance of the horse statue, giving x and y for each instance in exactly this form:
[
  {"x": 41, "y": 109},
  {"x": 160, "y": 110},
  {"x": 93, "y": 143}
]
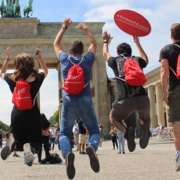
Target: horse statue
[
  {"x": 28, "y": 9},
  {"x": 17, "y": 9}
]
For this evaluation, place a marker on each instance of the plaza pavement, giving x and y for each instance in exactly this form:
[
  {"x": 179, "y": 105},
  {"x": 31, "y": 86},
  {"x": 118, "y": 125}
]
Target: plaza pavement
[{"x": 156, "y": 162}]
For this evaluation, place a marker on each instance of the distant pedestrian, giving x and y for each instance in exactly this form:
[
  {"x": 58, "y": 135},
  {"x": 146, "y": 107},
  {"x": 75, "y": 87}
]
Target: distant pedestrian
[
  {"x": 76, "y": 134},
  {"x": 101, "y": 136},
  {"x": 1, "y": 139},
  {"x": 52, "y": 136},
  {"x": 120, "y": 140},
  {"x": 87, "y": 137},
  {"x": 82, "y": 137},
  {"x": 57, "y": 136},
  {"x": 113, "y": 134}
]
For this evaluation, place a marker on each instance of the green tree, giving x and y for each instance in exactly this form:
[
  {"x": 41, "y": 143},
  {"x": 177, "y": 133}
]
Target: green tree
[
  {"x": 4, "y": 128},
  {"x": 55, "y": 118}
]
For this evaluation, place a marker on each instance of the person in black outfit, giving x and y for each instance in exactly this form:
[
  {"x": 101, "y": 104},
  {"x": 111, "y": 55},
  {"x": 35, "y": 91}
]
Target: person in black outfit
[
  {"x": 26, "y": 124},
  {"x": 45, "y": 137},
  {"x": 131, "y": 98}
]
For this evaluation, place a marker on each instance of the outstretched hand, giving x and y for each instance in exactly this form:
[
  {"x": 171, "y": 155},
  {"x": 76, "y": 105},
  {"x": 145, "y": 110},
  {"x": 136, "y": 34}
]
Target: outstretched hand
[
  {"x": 136, "y": 40},
  {"x": 67, "y": 22},
  {"x": 82, "y": 26},
  {"x": 106, "y": 36},
  {"x": 38, "y": 52},
  {"x": 8, "y": 53}
]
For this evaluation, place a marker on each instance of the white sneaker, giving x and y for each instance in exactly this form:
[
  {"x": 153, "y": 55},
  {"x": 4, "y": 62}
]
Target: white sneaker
[
  {"x": 100, "y": 148},
  {"x": 28, "y": 156},
  {"x": 178, "y": 163}
]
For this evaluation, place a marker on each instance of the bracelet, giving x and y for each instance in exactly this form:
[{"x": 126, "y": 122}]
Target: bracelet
[
  {"x": 105, "y": 41},
  {"x": 7, "y": 59}
]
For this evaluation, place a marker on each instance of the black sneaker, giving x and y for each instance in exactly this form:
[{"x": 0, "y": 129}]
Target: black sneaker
[
  {"x": 70, "y": 169},
  {"x": 94, "y": 161},
  {"x": 145, "y": 134},
  {"x": 6, "y": 151},
  {"x": 15, "y": 155},
  {"x": 129, "y": 135}
]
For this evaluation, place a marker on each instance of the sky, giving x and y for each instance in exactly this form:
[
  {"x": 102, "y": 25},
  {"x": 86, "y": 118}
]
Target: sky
[{"x": 161, "y": 15}]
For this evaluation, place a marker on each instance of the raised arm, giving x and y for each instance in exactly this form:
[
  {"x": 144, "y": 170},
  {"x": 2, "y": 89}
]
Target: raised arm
[
  {"x": 5, "y": 65},
  {"x": 42, "y": 63},
  {"x": 165, "y": 79},
  {"x": 93, "y": 43},
  {"x": 57, "y": 42},
  {"x": 141, "y": 51},
  {"x": 106, "y": 37}
]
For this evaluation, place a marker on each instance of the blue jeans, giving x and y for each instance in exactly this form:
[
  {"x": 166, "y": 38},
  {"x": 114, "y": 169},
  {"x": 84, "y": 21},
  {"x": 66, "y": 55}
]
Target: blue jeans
[
  {"x": 72, "y": 108},
  {"x": 121, "y": 141}
]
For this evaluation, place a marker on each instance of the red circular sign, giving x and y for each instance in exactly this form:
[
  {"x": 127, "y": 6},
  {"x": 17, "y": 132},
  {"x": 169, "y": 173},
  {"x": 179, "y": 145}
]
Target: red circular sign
[{"x": 132, "y": 23}]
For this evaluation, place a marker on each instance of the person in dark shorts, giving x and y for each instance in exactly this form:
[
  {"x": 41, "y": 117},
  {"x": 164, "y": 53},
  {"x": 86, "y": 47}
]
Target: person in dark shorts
[
  {"x": 131, "y": 98},
  {"x": 82, "y": 136},
  {"x": 79, "y": 105},
  {"x": 169, "y": 59},
  {"x": 26, "y": 124}
]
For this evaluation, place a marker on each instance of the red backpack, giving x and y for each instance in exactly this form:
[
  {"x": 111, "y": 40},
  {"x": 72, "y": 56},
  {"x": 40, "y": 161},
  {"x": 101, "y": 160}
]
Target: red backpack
[
  {"x": 134, "y": 75},
  {"x": 178, "y": 66},
  {"x": 21, "y": 95},
  {"x": 74, "y": 83}
]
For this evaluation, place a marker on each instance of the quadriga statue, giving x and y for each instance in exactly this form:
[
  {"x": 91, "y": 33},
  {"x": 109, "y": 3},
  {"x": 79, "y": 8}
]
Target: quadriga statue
[{"x": 28, "y": 9}]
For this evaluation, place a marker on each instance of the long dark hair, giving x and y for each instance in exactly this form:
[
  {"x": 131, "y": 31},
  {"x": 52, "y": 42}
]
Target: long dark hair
[
  {"x": 45, "y": 122},
  {"x": 24, "y": 67}
]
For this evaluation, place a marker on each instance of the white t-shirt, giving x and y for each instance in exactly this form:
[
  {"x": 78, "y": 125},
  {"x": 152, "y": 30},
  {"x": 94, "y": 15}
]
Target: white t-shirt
[
  {"x": 75, "y": 128},
  {"x": 53, "y": 133}
]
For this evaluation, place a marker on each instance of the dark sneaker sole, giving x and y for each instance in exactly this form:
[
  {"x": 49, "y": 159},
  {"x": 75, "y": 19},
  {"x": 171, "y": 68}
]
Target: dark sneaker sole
[
  {"x": 70, "y": 166},
  {"x": 94, "y": 161},
  {"x": 144, "y": 139},
  {"x": 131, "y": 144},
  {"x": 5, "y": 152},
  {"x": 130, "y": 140}
]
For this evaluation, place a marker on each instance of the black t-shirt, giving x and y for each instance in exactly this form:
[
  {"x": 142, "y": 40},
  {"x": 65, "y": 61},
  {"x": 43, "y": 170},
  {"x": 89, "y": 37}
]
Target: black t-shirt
[
  {"x": 124, "y": 89},
  {"x": 171, "y": 53},
  {"x": 35, "y": 85},
  {"x": 82, "y": 130}
]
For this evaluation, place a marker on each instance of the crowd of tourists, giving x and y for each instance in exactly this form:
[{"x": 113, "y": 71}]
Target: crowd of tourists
[{"x": 26, "y": 121}]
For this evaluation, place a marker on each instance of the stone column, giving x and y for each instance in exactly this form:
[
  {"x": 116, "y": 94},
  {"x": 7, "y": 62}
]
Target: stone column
[
  {"x": 103, "y": 106},
  {"x": 36, "y": 64},
  {"x": 60, "y": 85},
  {"x": 151, "y": 95},
  {"x": 159, "y": 103}
]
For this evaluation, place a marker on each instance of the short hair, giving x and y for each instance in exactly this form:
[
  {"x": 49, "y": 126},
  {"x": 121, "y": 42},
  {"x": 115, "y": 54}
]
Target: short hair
[
  {"x": 77, "y": 47},
  {"x": 124, "y": 48},
  {"x": 175, "y": 31}
]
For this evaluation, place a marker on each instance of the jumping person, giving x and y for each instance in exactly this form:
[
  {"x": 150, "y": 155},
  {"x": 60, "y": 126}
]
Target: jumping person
[
  {"x": 26, "y": 124},
  {"x": 169, "y": 58},
  {"x": 131, "y": 98},
  {"x": 79, "y": 105}
]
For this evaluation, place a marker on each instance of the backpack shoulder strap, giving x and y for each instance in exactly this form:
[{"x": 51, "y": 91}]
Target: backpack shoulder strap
[
  {"x": 169, "y": 66},
  {"x": 73, "y": 63}
]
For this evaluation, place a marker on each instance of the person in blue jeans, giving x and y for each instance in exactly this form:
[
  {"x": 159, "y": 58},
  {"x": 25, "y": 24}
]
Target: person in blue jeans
[{"x": 81, "y": 105}]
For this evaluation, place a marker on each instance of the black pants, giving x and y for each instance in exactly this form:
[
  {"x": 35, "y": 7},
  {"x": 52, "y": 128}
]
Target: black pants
[
  {"x": 114, "y": 141},
  {"x": 26, "y": 128},
  {"x": 52, "y": 141},
  {"x": 46, "y": 148}
]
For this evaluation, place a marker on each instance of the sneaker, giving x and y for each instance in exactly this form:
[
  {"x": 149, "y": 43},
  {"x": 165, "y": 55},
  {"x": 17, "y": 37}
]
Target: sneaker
[
  {"x": 178, "y": 163},
  {"x": 16, "y": 155},
  {"x": 123, "y": 152},
  {"x": 70, "y": 169},
  {"x": 100, "y": 148},
  {"x": 28, "y": 155},
  {"x": 119, "y": 153},
  {"x": 129, "y": 135},
  {"x": 145, "y": 134},
  {"x": 6, "y": 151},
  {"x": 94, "y": 161}
]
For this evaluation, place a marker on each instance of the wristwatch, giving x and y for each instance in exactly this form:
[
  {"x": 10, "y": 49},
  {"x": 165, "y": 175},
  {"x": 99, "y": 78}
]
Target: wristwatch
[
  {"x": 105, "y": 41},
  {"x": 7, "y": 59},
  {"x": 64, "y": 26}
]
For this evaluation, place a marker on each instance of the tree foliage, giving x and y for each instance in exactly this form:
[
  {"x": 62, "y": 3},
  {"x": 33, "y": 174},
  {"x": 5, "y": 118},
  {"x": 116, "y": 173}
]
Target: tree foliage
[
  {"x": 55, "y": 118},
  {"x": 4, "y": 128}
]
